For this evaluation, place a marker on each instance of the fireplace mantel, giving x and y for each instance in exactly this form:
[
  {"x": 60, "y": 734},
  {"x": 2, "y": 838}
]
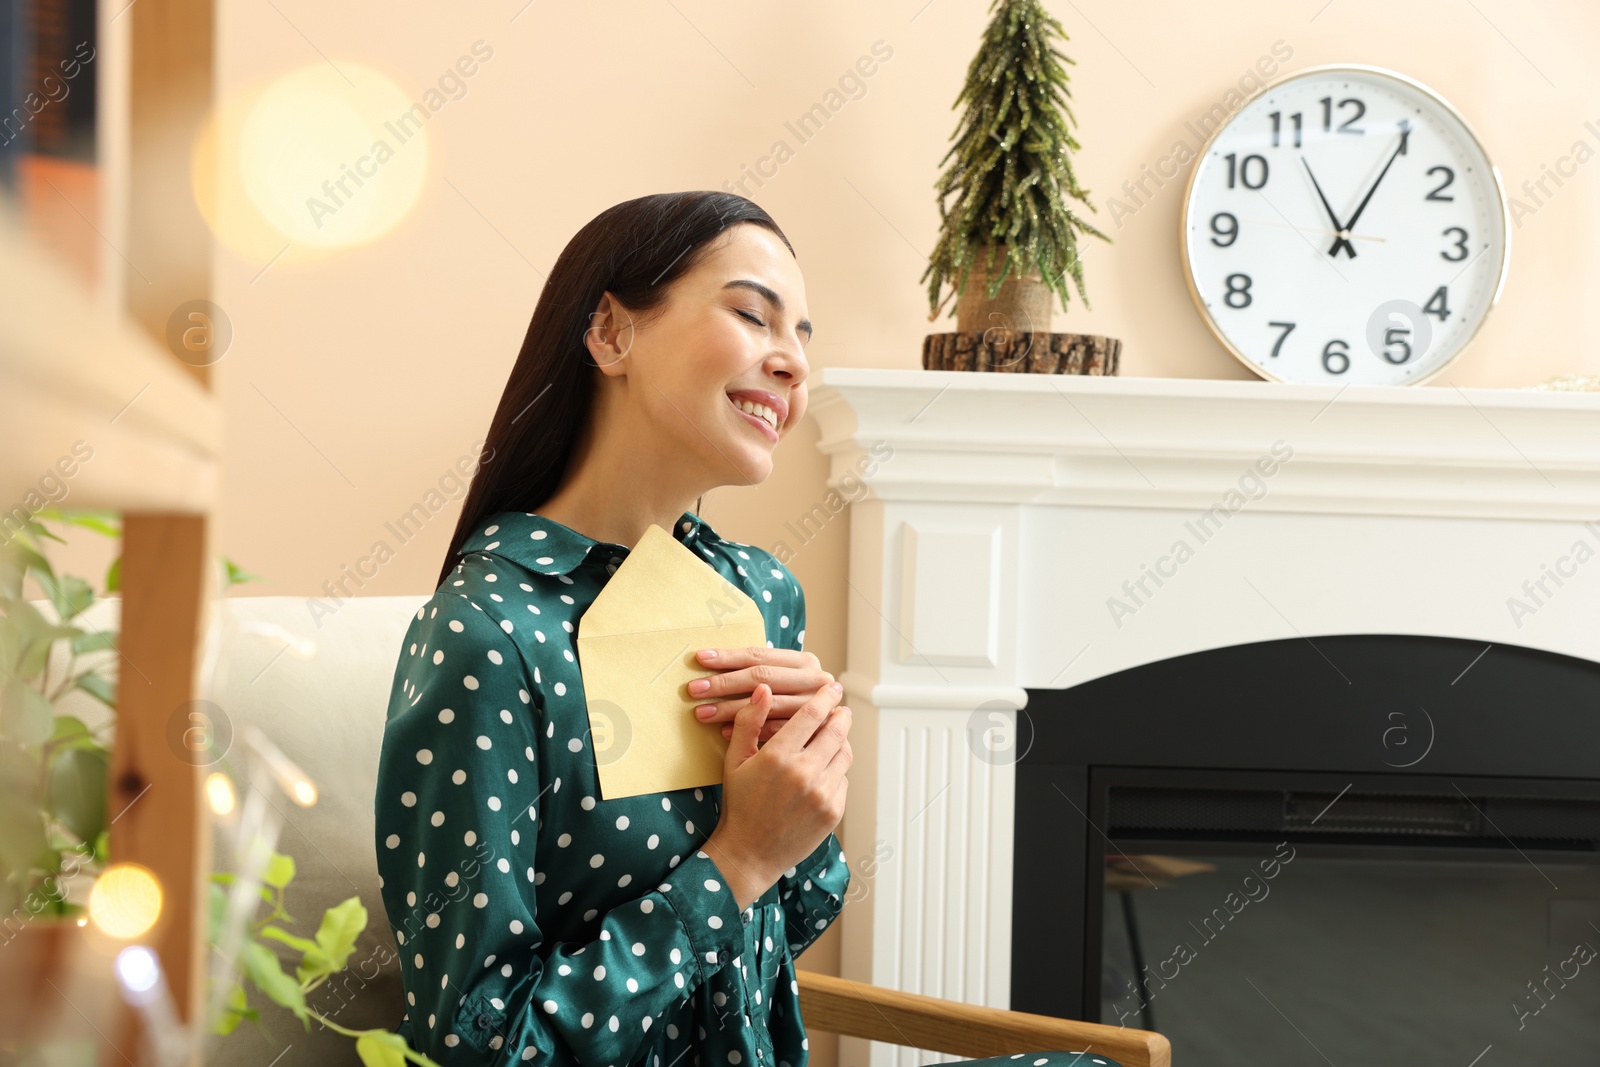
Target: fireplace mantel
[
  {"x": 1012, "y": 532},
  {"x": 1171, "y": 442}
]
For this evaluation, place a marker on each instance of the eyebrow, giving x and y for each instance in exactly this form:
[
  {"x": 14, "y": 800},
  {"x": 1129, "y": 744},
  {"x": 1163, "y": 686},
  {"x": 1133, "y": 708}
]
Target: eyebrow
[{"x": 772, "y": 298}]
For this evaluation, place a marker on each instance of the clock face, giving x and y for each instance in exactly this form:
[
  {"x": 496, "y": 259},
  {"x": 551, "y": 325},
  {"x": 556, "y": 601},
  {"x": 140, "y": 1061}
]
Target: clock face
[{"x": 1345, "y": 226}]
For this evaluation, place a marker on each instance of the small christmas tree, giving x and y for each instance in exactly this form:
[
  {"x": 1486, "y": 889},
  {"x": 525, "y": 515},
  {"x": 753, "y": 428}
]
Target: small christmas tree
[{"x": 1012, "y": 175}]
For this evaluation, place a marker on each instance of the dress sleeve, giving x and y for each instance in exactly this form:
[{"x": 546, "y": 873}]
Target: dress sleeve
[
  {"x": 812, "y": 891},
  {"x": 457, "y": 811}
]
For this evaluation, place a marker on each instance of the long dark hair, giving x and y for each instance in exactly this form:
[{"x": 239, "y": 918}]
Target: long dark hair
[{"x": 635, "y": 250}]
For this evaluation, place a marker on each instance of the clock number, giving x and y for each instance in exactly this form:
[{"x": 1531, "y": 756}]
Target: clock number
[
  {"x": 1330, "y": 354},
  {"x": 1438, "y": 305},
  {"x": 1459, "y": 246},
  {"x": 1396, "y": 335},
  {"x": 1243, "y": 171},
  {"x": 1277, "y": 118},
  {"x": 1287, "y": 328},
  {"x": 1238, "y": 285},
  {"x": 1231, "y": 233},
  {"x": 1345, "y": 126},
  {"x": 1449, "y": 176}
]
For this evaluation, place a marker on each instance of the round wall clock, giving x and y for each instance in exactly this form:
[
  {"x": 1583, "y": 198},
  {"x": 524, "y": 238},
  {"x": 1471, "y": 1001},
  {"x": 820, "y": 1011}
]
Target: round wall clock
[{"x": 1345, "y": 226}]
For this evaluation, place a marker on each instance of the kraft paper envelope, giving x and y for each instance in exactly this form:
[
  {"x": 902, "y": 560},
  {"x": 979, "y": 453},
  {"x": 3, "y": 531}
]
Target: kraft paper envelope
[{"x": 637, "y": 648}]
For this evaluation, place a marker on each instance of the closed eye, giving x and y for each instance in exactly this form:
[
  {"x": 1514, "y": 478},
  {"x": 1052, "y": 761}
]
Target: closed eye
[{"x": 751, "y": 316}]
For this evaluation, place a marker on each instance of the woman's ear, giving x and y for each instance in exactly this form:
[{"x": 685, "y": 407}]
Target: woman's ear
[{"x": 610, "y": 335}]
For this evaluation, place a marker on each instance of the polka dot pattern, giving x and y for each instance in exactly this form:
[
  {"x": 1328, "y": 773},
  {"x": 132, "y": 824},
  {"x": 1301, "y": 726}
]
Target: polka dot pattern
[{"x": 542, "y": 921}]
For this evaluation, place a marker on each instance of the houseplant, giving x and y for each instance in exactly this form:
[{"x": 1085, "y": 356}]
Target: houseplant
[
  {"x": 53, "y": 787},
  {"x": 1009, "y": 240}
]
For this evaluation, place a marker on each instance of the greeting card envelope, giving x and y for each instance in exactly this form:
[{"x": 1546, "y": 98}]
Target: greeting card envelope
[{"x": 636, "y": 654}]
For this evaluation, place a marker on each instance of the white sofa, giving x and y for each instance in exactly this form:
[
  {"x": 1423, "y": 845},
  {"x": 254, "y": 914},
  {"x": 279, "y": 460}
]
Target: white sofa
[{"x": 326, "y": 713}]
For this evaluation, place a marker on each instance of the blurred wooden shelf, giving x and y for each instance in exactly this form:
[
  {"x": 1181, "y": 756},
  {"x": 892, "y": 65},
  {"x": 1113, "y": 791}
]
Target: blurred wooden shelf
[
  {"x": 69, "y": 374},
  {"x": 75, "y": 382}
]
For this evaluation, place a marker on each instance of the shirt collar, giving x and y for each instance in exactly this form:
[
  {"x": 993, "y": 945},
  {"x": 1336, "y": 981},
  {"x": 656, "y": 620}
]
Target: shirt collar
[{"x": 546, "y": 546}]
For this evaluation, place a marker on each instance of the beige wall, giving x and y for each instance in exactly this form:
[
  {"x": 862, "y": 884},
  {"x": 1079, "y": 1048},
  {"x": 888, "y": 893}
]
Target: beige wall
[{"x": 352, "y": 386}]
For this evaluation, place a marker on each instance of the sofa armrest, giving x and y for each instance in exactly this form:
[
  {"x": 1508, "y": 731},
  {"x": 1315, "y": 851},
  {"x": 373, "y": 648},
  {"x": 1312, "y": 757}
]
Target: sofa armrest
[{"x": 855, "y": 1009}]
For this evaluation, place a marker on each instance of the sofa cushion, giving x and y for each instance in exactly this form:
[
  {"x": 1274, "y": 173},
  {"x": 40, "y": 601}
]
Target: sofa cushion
[{"x": 326, "y": 712}]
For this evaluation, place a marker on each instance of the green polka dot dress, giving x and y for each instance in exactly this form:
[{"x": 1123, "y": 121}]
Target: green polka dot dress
[{"x": 536, "y": 921}]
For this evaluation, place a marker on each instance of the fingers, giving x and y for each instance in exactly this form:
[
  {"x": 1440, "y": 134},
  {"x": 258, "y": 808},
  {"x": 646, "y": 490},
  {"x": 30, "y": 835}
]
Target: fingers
[
  {"x": 783, "y": 705},
  {"x": 733, "y": 687},
  {"x": 744, "y": 740},
  {"x": 801, "y": 727},
  {"x": 835, "y": 774},
  {"x": 768, "y": 728},
  {"x": 789, "y": 673},
  {"x": 832, "y": 735},
  {"x": 724, "y": 659},
  {"x": 839, "y": 764}
]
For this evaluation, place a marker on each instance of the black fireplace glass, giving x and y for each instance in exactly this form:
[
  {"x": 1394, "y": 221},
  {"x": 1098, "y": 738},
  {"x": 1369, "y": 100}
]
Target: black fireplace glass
[
  {"x": 1440, "y": 799},
  {"x": 1354, "y": 954}
]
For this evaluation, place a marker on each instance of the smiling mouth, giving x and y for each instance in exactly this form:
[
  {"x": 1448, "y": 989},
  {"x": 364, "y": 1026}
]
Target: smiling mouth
[{"x": 759, "y": 411}]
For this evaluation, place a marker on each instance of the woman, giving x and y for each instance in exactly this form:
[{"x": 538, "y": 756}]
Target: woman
[{"x": 538, "y": 922}]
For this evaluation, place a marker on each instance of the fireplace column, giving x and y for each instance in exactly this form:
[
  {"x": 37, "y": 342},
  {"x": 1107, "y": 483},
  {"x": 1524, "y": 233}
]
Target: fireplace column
[{"x": 928, "y": 825}]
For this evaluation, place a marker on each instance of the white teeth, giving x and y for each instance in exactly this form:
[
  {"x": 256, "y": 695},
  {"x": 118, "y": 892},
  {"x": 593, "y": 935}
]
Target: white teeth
[{"x": 759, "y": 410}]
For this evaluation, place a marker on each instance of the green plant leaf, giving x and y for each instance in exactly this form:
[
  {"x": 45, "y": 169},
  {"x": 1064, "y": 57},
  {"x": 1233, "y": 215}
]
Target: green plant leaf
[
  {"x": 236, "y": 575},
  {"x": 76, "y": 793},
  {"x": 12, "y": 571},
  {"x": 36, "y": 634},
  {"x": 35, "y": 531},
  {"x": 279, "y": 872},
  {"x": 102, "y": 846},
  {"x": 267, "y": 973},
  {"x": 114, "y": 576},
  {"x": 69, "y": 594},
  {"x": 31, "y": 558},
  {"x": 68, "y": 728},
  {"x": 104, "y": 522},
  {"x": 72, "y": 732},
  {"x": 234, "y": 1011},
  {"x": 227, "y": 878},
  {"x": 94, "y": 642},
  {"x": 336, "y": 939},
  {"x": 25, "y": 715},
  {"x": 97, "y": 686},
  {"x": 381, "y": 1049},
  {"x": 10, "y": 637},
  {"x": 22, "y": 836},
  {"x": 216, "y": 909},
  {"x": 304, "y": 944}
]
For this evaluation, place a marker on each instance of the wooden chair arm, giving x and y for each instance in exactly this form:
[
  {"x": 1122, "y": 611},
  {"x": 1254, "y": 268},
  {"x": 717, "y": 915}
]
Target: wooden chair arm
[{"x": 855, "y": 1009}]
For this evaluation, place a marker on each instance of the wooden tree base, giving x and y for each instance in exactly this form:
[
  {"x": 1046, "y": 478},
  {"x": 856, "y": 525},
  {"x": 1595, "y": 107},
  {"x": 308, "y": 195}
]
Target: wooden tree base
[{"x": 1005, "y": 351}]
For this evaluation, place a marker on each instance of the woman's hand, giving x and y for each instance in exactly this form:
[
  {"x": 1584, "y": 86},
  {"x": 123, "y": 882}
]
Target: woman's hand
[
  {"x": 781, "y": 799},
  {"x": 793, "y": 678}
]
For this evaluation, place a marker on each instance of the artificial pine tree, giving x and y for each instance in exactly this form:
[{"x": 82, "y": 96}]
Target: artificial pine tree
[{"x": 1012, "y": 175}]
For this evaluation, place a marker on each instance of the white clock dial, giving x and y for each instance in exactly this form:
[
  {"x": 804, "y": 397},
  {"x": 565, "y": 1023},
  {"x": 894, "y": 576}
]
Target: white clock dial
[{"x": 1345, "y": 226}]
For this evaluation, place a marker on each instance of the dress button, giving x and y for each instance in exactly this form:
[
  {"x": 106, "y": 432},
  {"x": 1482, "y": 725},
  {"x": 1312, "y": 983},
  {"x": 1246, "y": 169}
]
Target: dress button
[
  {"x": 484, "y": 1020},
  {"x": 722, "y": 956}
]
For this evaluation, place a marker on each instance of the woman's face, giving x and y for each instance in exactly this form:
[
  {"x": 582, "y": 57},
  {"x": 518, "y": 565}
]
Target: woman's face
[{"x": 731, "y": 336}]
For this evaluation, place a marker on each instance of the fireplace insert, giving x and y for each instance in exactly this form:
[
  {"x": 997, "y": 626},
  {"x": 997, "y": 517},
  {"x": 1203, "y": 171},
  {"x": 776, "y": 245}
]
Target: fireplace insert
[{"x": 1314, "y": 851}]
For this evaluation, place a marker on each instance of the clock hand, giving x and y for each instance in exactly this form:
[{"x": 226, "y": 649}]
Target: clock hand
[
  {"x": 1304, "y": 229},
  {"x": 1405, "y": 132},
  {"x": 1341, "y": 232}
]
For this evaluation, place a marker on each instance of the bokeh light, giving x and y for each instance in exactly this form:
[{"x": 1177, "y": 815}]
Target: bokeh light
[
  {"x": 318, "y": 160},
  {"x": 126, "y": 900},
  {"x": 219, "y": 791}
]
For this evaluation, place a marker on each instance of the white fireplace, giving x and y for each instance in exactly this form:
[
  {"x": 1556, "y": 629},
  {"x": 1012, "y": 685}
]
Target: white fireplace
[{"x": 1031, "y": 531}]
